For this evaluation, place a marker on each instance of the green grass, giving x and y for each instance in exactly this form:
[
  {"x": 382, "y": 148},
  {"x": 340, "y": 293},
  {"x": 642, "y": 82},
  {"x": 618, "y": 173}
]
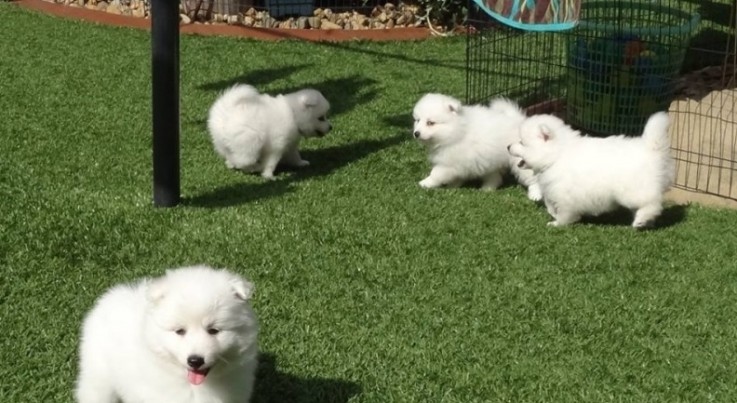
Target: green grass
[{"x": 369, "y": 289}]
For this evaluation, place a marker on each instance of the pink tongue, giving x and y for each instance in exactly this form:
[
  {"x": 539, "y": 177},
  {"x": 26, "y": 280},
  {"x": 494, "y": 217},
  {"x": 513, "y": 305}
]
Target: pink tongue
[{"x": 195, "y": 377}]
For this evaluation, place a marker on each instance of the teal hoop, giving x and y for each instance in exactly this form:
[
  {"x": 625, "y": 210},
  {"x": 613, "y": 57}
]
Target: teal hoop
[{"x": 539, "y": 27}]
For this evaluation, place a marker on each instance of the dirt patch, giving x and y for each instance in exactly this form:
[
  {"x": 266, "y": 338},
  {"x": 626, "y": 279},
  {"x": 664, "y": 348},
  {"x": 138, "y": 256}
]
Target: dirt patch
[{"x": 683, "y": 196}]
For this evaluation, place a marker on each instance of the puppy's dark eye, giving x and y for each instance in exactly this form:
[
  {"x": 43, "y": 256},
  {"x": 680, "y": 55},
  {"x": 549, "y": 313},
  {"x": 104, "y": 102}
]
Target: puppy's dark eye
[
  {"x": 430, "y": 123},
  {"x": 180, "y": 332},
  {"x": 321, "y": 118},
  {"x": 212, "y": 331}
]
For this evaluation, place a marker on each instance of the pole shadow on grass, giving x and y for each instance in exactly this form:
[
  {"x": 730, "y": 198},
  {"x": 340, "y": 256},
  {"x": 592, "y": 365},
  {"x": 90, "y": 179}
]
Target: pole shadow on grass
[
  {"x": 670, "y": 216},
  {"x": 274, "y": 386},
  {"x": 323, "y": 162}
]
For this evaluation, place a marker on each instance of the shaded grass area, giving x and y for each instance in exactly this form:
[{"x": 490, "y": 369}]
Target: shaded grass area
[{"x": 369, "y": 289}]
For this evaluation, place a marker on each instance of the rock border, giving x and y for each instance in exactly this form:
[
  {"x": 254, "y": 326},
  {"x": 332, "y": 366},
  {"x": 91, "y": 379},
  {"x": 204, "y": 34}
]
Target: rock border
[{"x": 314, "y": 35}]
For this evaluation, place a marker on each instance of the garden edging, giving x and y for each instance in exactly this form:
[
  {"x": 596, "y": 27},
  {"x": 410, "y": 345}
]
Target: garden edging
[{"x": 331, "y": 35}]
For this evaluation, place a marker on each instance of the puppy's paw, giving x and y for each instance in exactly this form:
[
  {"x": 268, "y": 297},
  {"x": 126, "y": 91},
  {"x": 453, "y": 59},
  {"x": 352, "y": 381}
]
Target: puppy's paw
[
  {"x": 269, "y": 176},
  {"x": 302, "y": 163},
  {"x": 428, "y": 183},
  {"x": 643, "y": 224},
  {"x": 553, "y": 224},
  {"x": 534, "y": 193}
]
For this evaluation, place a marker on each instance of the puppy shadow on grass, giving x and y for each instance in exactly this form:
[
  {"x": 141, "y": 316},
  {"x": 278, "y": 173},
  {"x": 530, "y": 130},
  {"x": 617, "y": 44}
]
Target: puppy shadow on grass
[
  {"x": 239, "y": 193},
  {"x": 402, "y": 121},
  {"x": 256, "y": 77},
  {"x": 344, "y": 93},
  {"x": 274, "y": 386},
  {"x": 671, "y": 215},
  {"x": 323, "y": 161},
  {"x": 328, "y": 160},
  {"x": 508, "y": 182}
]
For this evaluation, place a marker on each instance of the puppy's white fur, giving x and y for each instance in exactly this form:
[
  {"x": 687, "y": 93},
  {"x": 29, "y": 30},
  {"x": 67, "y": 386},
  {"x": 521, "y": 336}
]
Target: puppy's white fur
[
  {"x": 255, "y": 132},
  {"x": 526, "y": 177},
  {"x": 139, "y": 340},
  {"x": 468, "y": 142},
  {"x": 590, "y": 175}
]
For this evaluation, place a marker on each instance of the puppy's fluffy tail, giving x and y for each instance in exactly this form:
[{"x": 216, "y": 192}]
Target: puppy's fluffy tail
[
  {"x": 231, "y": 100},
  {"x": 657, "y": 139},
  {"x": 239, "y": 93},
  {"x": 655, "y": 134},
  {"x": 506, "y": 107}
]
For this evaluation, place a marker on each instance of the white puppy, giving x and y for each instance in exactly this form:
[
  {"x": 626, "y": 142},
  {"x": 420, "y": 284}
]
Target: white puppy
[
  {"x": 590, "y": 175},
  {"x": 187, "y": 337},
  {"x": 468, "y": 142},
  {"x": 526, "y": 177},
  {"x": 254, "y": 132}
]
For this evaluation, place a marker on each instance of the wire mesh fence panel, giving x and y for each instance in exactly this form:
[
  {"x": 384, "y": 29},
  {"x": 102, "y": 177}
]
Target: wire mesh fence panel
[
  {"x": 704, "y": 133},
  {"x": 503, "y": 61},
  {"x": 623, "y": 61}
]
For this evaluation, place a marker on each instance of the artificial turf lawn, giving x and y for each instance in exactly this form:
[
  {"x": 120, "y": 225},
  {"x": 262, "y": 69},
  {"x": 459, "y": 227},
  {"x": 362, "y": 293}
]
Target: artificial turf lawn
[{"x": 368, "y": 288}]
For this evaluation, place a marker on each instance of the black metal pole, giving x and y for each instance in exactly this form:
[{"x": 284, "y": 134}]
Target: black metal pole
[{"x": 165, "y": 100}]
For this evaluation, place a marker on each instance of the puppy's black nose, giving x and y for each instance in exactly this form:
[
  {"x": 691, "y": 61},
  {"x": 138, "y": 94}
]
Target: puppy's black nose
[
  {"x": 509, "y": 147},
  {"x": 416, "y": 134},
  {"x": 195, "y": 361}
]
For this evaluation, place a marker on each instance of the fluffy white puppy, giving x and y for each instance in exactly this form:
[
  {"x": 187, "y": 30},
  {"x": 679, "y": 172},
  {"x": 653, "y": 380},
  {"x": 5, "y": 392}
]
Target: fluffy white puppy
[
  {"x": 255, "y": 132},
  {"x": 468, "y": 142},
  {"x": 187, "y": 337},
  {"x": 525, "y": 177},
  {"x": 590, "y": 175}
]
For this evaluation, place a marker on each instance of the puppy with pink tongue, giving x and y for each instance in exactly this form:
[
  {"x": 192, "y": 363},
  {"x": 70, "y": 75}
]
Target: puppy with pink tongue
[
  {"x": 196, "y": 377},
  {"x": 189, "y": 336}
]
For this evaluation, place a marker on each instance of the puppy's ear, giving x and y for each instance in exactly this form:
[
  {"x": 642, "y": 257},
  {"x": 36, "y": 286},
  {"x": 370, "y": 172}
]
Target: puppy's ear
[
  {"x": 454, "y": 107},
  {"x": 156, "y": 291},
  {"x": 545, "y": 132},
  {"x": 309, "y": 99},
  {"x": 242, "y": 289}
]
